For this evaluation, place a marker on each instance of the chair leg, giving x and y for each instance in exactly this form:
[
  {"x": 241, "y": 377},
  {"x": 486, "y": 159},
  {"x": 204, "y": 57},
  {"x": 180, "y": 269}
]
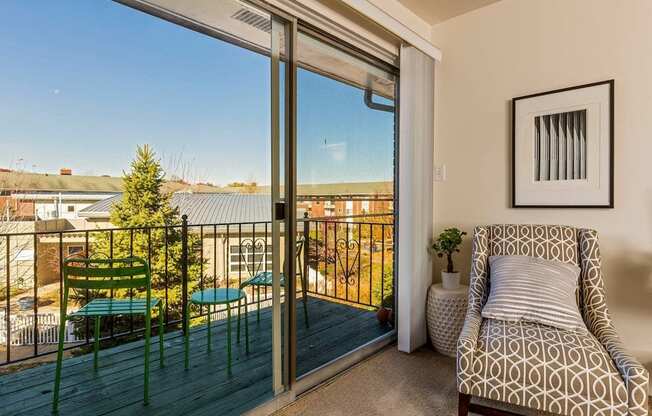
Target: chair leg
[
  {"x": 239, "y": 313},
  {"x": 209, "y": 328},
  {"x": 161, "y": 332},
  {"x": 305, "y": 302},
  {"x": 228, "y": 338},
  {"x": 148, "y": 332},
  {"x": 258, "y": 310},
  {"x": 246, "y": 326},
  {"x": 186, "y": 340},
  {"x": 464, "y": 400},
  {"x": 96, "y": 344},
  {"x": 57, "y": 376},
  {"x": 305, "y": 312}
]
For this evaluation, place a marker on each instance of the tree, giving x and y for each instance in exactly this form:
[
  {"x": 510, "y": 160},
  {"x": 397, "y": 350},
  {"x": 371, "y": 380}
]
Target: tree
[
  {"x": 143, "y": 203},
  {"x": 153, "y": 232},
  {"x": 250, "y": 187}
]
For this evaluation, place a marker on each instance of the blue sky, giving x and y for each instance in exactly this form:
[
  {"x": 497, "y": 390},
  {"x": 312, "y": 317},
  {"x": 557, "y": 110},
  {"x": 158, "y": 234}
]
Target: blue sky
[{"x": 83, "y": 82}]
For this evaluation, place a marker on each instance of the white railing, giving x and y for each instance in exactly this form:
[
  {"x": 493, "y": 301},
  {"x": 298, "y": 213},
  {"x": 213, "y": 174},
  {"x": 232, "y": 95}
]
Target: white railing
[{"x": 22, "y": 329}]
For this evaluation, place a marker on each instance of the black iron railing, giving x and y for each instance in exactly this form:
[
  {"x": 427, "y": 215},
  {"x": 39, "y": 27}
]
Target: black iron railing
[
  {"x": 344, "y": 259},
  {"x": 351, "y": 258}
]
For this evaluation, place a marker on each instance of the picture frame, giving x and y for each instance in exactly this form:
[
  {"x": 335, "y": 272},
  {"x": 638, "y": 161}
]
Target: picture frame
[{"x": 563, "y": 148}]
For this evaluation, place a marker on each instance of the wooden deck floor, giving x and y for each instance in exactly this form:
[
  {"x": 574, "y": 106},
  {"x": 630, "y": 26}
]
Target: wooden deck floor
[{"x": 204, "y": 389}]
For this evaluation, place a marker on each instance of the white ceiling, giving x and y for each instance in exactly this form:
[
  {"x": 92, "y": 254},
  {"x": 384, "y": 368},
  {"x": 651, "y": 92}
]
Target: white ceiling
[{"x": 436, "y": 11}]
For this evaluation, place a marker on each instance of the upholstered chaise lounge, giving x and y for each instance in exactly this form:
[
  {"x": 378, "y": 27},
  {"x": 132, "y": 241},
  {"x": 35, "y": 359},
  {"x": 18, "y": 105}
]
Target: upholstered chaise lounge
[{"x": 537, "y": 366}]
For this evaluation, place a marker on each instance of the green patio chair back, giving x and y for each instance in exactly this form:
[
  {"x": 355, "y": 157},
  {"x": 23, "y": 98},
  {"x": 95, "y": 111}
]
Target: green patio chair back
[
  {"x": 299, "y": 245},
  {"x": 99, "y": 274},
  {"x": 108, "y": 274},
  {"x": 264, "y": 279}
]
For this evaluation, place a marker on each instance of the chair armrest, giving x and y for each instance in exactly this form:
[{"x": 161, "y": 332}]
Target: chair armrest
[
  {"x": 598, "y": 319},
  {"x": 634, "y": 375},
  {"x": 468, "y": 340},
  {"x": 466, "y": 346}
]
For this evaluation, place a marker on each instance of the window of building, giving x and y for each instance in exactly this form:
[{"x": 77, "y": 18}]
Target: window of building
[
  {"x": 71, "y": 208},
  {"x": 251, "y": 260}
]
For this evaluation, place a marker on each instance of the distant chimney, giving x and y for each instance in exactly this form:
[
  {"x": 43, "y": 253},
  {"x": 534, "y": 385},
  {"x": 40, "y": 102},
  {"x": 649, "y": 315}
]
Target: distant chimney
[{"x": 65, "y": 172}]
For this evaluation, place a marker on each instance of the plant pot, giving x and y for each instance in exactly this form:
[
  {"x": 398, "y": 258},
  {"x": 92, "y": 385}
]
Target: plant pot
[
  {"x": 450, "y": 281},
  {"x": 383, "y": 315}
]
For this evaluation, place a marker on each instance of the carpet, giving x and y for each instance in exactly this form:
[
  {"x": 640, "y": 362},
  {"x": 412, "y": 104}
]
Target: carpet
[{"x": 390, "y": 383}]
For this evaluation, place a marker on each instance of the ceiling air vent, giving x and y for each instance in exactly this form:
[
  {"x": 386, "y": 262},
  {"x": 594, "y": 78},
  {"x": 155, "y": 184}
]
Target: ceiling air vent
[{"x": 253, "y": 19}]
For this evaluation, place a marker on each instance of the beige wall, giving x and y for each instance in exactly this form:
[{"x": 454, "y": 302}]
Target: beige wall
[{"x": 516, "y": 47}]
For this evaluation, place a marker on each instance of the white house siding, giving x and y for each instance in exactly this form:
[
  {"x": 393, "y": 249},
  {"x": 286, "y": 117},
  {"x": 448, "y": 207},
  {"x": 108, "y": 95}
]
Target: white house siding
[{"x": 21, "y": 255}]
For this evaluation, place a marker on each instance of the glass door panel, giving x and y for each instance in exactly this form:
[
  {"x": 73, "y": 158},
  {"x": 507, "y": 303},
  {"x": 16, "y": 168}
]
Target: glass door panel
[
  {"x": 254, "y": 159},
  {"x": 253, "y": 107},
  {"x": 345, "y": 199}
]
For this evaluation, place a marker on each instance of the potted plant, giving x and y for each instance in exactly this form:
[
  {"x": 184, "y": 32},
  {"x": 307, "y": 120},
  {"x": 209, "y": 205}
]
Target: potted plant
[
  {"x": 448, "y": 243},
  {"x": 385, "y": 312}
]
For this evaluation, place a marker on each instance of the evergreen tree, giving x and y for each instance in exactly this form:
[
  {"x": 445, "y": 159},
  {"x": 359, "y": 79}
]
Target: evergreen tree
[
  {"x": 153, "y": 232},
  {"x": 144, "y": 204}
]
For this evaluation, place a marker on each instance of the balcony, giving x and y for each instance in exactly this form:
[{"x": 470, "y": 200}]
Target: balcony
[
  {"x": 348, "y": 266},
  {"x": 116, "y": 388}
]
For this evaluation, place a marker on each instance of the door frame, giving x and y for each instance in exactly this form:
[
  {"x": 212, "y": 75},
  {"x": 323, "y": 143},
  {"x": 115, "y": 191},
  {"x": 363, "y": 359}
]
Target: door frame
[{"x": 284, "y": 364}]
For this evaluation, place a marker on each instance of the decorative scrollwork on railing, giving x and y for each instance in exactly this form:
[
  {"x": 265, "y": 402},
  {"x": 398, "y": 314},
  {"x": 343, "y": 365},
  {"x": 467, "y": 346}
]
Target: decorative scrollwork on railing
[
  {"x": 343, "y": 247},
  {"x": 256, "y": 248}
]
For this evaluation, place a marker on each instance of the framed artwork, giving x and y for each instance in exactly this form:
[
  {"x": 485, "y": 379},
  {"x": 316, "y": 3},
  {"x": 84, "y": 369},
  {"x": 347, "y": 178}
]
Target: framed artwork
[{"x": 563, "y": 148}]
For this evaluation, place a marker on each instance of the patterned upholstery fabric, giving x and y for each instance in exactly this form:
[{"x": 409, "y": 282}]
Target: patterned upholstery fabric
[
  {"x": 482, "y": 367},
  {"x": 567, "y": 372}
]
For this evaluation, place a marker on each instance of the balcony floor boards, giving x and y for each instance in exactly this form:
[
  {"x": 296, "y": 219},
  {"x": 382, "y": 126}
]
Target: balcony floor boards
[{"x": 116, "y": 388}]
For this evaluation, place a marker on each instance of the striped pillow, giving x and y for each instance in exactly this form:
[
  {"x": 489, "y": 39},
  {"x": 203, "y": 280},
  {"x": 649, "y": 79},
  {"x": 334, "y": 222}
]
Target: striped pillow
[{"x": 533, "y": 289}]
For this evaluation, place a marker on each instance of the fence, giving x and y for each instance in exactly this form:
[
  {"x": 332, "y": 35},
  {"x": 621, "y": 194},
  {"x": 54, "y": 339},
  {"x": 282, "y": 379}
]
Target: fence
[
  {"x": 351, "y": 259},
  {"x": 343, "y": 259},
  {"x": 24, "y": 328}
]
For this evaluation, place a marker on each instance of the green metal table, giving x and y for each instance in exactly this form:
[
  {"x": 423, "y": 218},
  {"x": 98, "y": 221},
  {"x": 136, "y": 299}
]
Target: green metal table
[{"x": 220, "y": 296}]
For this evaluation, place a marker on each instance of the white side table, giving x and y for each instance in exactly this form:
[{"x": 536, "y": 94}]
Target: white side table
[{"x": 445, "y": 311}]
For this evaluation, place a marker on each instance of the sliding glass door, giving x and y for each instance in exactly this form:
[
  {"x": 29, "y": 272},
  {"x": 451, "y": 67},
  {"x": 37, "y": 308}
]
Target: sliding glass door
[
  {"x": 230, "y": 146},
  {"x": 346, "y": 108}
]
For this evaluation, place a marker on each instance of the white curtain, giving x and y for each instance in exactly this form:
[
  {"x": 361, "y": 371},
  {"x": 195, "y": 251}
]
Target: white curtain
[{"x": 415, "y": 194}]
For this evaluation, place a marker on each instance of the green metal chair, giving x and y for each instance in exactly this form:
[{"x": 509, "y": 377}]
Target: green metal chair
[
  {"x": 264, "y": 279},
  {"x": 107, "y": 274}
]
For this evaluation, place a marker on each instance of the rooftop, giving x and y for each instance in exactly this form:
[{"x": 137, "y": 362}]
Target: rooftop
[
  {"x": 39, "y": 182},
  {"x": 203, "y": 208},
  {"x": 44, "y": 182}
]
